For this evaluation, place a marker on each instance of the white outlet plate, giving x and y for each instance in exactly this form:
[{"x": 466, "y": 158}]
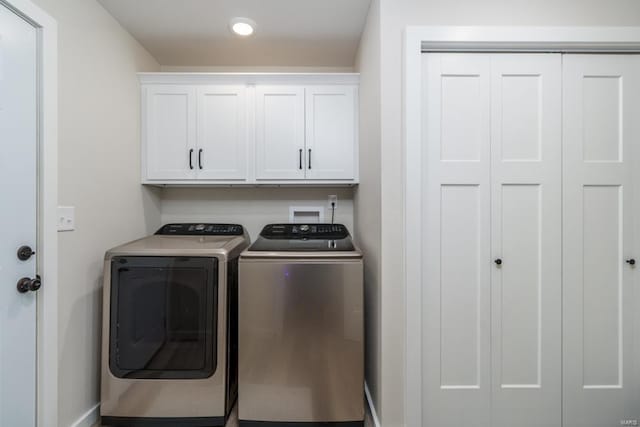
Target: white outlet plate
[
  {"x": 66, "y": 218},
  {"x": 333, "y": 199}
]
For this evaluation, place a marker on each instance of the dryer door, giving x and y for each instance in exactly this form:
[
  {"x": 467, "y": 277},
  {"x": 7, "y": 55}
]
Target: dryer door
[{"x": 163, "y": 317}]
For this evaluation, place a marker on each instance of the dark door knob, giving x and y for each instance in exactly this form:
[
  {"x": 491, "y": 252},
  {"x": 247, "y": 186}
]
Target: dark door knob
[
  {"x": 498, "y": 261},
  {"x": 25, "y": 252},
  {"x": 631, "y": 261},
  {"x": 25, "y": 284}
]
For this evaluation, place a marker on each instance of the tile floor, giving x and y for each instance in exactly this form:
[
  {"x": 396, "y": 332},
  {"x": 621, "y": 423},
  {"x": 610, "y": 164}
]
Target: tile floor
[{"x": 233, "y": 419}]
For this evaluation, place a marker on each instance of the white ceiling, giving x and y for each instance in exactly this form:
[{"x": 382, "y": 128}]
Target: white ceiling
[{"x": 288, "y": 32}]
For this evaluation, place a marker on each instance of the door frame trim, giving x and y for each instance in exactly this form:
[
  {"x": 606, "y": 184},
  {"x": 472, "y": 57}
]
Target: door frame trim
[
  {"x": 47, "y": 245},
  {"x": 421, "y": 39}
]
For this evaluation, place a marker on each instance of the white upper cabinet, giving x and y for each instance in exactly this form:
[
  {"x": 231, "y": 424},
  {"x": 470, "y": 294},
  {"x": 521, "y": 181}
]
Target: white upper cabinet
[
  {"x": 222, "y": 132},
  {"x": 330, "y": 132},
  {"x": 280, "y": 132},
  {"x": 169, "y": 132},
  {"x": 250, "y": 129}
]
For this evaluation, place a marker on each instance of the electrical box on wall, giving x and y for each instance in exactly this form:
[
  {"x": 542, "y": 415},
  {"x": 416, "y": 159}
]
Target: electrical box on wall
[{"x": 306, "y": 214}]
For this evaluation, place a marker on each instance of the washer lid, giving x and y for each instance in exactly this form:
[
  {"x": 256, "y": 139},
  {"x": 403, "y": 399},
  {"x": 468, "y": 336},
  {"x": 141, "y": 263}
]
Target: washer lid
[
  {"x": 304, "y": 238},
  {"x": 305, "y": 231}
]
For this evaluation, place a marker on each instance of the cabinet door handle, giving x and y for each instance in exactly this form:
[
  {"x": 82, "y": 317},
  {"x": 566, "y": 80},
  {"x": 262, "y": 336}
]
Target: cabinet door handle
[
  {"x": 309, "y": 158},
  {"x": 191, "y": 158},
  {"x": 300, "y": 159},
  {"x": 631, "y": 261},
  {"x": 498, "y": 261},
  {"x": 200, "y": 158}
]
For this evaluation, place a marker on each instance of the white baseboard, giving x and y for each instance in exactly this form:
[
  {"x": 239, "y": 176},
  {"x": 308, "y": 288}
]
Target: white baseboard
[
  {"x": 372, "y": 408},
  {"x": 89, "y": 418}
]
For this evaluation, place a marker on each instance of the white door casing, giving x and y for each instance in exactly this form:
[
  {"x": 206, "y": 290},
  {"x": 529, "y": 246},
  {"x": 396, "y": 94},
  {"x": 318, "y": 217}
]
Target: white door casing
[
  {"x": 222, "y": 132},
  {"x": 170, "y": 132},
  {"x": 491, "y": 334},
  {"x": 601, "y": 297},
  {"x": 526, "y": 148},
  {"x": 18, "y": 190},
  {"x": 280, "y": 132},
  {"x": 330, "y": 132}
]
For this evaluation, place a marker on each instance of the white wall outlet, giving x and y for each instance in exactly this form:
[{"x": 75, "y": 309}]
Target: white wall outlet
[
  {"x": 333, "y": 199},
  {"x": 66, "y": 218}
]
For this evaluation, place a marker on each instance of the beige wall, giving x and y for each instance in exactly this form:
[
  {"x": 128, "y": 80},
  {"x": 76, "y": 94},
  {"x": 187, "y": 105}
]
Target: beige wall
[
  {"x": 367, "y": 194},
  {"x": 251, "y": 207},
  {"x": 99, "y": 174},
  {"x": 395, "y": 15}
]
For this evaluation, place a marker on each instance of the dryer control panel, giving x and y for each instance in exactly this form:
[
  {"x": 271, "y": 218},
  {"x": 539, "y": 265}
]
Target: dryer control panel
[{"x": 201, "y": 229}]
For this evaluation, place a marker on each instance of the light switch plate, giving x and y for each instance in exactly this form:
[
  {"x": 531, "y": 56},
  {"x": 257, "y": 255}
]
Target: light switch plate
[{"x": 66, "y": 218}]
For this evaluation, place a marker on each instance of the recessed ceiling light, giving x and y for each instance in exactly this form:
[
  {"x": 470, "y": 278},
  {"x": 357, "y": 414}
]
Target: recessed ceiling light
[{"x": 242, "y": 26}]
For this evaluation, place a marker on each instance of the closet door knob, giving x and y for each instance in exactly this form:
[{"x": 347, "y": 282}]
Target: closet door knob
[
  {"x": 498, "y": 261},
  {"x": 631, "y": 261}
]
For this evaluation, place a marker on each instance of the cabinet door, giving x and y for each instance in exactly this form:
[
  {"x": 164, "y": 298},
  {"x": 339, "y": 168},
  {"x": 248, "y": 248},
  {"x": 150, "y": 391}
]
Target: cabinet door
[
  {"x": 330, "y": 132},
  {"x": 601, "y": 294},
  {"x": 526, "y": 217},
  {"x": 170, "y": 132},
  {"x": 457, "y": 258},
  {"x": 280, "y": 132},
  {"x": 222, "y": 133}
]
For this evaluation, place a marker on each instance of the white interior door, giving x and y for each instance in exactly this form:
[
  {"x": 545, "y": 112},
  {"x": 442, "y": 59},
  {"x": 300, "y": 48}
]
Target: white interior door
[
  {"x": 330, "y": 132},
  {"x": 170, "y": 132},
  {"x": 457, "y": 258},
  {"x": 222, "y": 133},
  {"x": 280, "y": 132},
  {"x": 18, "y": 162},
  {"x": 601, "y": 294},
  {"x": 526, "y": 148}
]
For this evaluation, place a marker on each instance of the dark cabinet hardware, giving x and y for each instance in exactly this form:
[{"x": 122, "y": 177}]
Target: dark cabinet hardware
[
  {"x": 309, "y": 158},
  {"x": 200, "y": 158},
  {"x": 498, "y": 261},
  {"x": 300, "y": 159},
  {"x": 631, "y": 261},
  {"x": 191, "y": 159}
]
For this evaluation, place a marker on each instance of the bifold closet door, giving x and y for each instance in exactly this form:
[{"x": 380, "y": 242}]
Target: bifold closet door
[
  {"x": 491, "y": 205},
  {"x": 600, "y": 230},
  {"x": 526, "y": 218}
]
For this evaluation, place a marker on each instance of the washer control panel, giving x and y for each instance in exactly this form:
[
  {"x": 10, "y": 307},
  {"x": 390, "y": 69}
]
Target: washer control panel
[
  {"x": 201, "y": 229},
  {"x": 305, "y": 231}
]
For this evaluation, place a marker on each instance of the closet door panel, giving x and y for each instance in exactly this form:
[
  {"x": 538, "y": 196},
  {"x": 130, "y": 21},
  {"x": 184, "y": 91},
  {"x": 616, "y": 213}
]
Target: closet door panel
[
  {"x": 456, "y": 296},
  {"x": 601, "y": 295},
  {"x": 526, "y": 221}
]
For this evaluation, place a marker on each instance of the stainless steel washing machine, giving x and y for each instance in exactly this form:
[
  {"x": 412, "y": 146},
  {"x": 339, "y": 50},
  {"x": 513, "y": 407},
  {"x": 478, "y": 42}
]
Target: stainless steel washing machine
[
  {"x": 301, "y": 335},
  {"x": 169, "y": 342}
]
